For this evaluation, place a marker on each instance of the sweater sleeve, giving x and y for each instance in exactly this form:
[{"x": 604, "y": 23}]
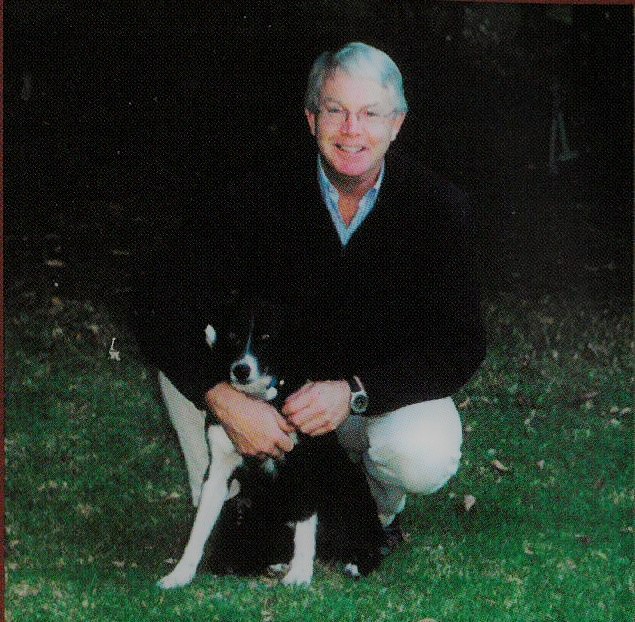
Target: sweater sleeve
[
  {"x": 437, "y": 337},
  {"x": 169, "y": 316}
]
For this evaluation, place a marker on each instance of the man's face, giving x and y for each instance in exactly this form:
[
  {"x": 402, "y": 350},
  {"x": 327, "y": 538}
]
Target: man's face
[{"x": 355, "y": 125}]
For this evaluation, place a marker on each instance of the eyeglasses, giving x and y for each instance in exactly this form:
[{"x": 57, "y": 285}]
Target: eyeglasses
[{"x": 368, "y": 118}]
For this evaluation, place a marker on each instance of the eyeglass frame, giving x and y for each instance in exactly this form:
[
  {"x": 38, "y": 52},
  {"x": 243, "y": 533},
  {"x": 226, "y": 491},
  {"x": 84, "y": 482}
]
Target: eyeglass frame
[{"x": 336, "y": 117}]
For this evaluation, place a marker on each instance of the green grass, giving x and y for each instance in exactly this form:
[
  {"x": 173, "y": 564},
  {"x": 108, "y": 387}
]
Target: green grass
[{"x": 96, "y": 492}]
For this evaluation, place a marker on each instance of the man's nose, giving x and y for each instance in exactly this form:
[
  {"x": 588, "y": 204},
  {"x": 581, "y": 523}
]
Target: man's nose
[{"x": 351, "y": 123}]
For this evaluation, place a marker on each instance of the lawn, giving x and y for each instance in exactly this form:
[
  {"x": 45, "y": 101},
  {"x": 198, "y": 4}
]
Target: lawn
[{"x": 96, "y": 494}]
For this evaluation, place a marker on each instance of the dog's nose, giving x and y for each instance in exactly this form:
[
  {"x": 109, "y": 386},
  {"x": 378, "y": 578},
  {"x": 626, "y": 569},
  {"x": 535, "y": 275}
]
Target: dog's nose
[{"x": 241, "y": 371}]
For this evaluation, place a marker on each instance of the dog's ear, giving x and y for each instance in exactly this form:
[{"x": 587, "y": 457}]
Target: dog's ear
[{"x": 210, "y": 335}]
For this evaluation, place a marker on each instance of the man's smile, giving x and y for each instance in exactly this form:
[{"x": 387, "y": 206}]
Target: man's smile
[{"x": 349, "y": 148}]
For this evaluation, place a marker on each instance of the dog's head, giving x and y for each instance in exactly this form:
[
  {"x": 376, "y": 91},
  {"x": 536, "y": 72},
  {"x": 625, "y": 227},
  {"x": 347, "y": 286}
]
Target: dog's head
[{"x": 248, "y": 338}]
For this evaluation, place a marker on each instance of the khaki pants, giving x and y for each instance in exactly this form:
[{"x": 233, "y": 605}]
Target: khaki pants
[{"x": 415, "y": 449}]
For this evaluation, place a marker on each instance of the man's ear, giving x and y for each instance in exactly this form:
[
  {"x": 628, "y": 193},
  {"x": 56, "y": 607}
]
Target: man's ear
[
  {"x": 310, "y": 117},
  {"x": 396, "y": 125}
]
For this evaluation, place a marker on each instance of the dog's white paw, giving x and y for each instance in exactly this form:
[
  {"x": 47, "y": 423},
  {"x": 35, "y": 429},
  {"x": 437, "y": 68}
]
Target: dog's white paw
[
  {"x": 278, "y": 568},
  {"x": 180, "y": 576},
  {"x": 352, "y": 571},
  {"x": 298, "y": 575}
]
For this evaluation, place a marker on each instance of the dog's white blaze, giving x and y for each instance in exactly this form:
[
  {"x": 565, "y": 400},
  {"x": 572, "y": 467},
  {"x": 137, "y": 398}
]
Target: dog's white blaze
[
  {"x": 301, "y": 566},
  {"x": 257, "y": 385},
  {"x": 210, "y": 335}
]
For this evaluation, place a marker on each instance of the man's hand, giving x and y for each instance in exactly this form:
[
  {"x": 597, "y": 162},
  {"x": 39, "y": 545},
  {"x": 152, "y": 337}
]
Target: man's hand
[
  {"x": 318, "y": 407},
  {"x": 255, "y": 427}
]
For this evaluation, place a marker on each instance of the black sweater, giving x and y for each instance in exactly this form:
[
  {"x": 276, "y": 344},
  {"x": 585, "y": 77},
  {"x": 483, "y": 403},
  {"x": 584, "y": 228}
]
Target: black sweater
[{"x": 398, "y": 306}]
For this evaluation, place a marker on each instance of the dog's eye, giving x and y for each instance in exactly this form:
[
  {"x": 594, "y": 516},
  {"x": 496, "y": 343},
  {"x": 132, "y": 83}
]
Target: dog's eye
[
  {"x": 264, "y": 337},
  {"x": 231, "y": 336}
]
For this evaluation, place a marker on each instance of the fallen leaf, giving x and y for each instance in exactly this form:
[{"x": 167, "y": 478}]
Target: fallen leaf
[
  {"x": 540, "y": 464},
  {"x": 468, "y": 502},
  {"x": 465, "y": 403},
  {"x": 499, "y": 466},
  {"x": 119, "y": 564},
  {"x": 84, "y": 509}
]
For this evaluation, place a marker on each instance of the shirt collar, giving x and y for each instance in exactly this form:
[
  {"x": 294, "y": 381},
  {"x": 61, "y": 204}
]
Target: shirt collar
[{"x": 325, "y": 182}]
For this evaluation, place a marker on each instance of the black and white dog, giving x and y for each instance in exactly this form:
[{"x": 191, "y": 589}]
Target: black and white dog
[{"x": 316, "y": 480}]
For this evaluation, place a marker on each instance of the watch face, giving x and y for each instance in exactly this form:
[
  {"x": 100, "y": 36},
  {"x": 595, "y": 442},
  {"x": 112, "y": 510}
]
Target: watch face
[{"x": 359, "y": 403}]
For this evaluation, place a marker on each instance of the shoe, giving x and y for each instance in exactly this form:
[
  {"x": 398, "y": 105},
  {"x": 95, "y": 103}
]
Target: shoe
[{"x": 393, "y": 536}]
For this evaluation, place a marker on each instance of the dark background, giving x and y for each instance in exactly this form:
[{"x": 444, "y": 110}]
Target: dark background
[{"x": 119, "y": 115}]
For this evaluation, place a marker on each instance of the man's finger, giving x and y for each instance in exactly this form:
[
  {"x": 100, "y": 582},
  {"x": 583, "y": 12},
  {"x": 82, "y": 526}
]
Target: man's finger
[
  {"x": 316, "y": 422},
  {"x": 284, "y": 424},
  {"x": 318, "y": 428},
  {"x": 285, "y": 443},
  {"x": 320, "y": 431},
  {"x": 300, "y": 418},
  {"x": 300, "y": 399}
]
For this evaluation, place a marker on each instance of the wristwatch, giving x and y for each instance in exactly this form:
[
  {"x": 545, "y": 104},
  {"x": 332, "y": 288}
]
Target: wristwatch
[{"x": 359, "y": 397}]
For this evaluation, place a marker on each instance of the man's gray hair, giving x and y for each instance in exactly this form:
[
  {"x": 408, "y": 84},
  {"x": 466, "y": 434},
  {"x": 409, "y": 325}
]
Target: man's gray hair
[{"x": 358, "y": 60}]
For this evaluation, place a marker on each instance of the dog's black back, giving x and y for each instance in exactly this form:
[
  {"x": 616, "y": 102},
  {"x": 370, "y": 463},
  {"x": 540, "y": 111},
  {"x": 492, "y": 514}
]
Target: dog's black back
[{"x": 317, "y": 476}]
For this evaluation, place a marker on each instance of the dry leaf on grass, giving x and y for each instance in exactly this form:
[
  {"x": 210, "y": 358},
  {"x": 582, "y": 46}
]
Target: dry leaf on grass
[
  {"x": 469, "y": 501},
  {"x": 499, "y": 466}
]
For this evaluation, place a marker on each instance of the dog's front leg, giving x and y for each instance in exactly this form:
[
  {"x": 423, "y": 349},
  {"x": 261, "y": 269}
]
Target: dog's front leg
[
  {"x": 213, "y": 496},
  {"x": 301, "y": 566}
]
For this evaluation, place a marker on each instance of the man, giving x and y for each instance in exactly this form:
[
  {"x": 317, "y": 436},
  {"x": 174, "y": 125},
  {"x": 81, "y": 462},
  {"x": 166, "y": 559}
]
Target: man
[{"x": 371, "y": 253}]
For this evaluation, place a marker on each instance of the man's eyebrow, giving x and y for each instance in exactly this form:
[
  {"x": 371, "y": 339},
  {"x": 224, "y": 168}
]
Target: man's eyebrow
[{"x": 332, "y": 100}]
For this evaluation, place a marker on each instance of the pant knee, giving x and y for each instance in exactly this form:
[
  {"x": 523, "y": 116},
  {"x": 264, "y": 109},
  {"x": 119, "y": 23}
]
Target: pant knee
[
  {"x": 415, "y": 470},
  {"x": 430, "y": 474}
]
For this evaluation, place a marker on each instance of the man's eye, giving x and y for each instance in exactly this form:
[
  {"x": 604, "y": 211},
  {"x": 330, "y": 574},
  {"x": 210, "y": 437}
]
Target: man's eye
[
  {"x": 370, "y": 113},
  {"x": 334, "y": 110}
]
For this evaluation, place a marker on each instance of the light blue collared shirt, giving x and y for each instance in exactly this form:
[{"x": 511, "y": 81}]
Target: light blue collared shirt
[{"x": 331, "y": 198}]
